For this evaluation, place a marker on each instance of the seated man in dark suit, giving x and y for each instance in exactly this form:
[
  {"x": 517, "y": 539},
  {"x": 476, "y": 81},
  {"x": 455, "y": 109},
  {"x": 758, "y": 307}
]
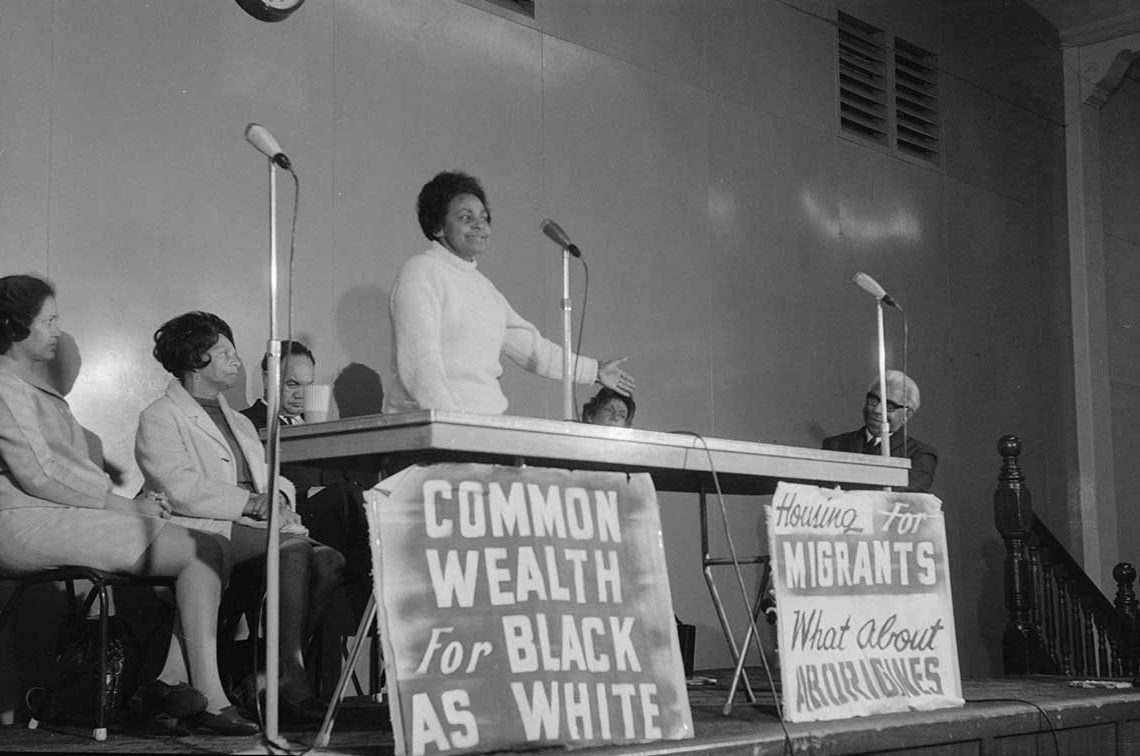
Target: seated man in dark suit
[
  {"x": 330, "y": 501},
  {"x": 903, "y": 399}
]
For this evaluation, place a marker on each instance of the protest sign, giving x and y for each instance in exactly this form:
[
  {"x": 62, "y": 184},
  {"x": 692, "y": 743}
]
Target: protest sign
[
  {"x": 523, "y": 606},
  {"x": 865, "y": 623}
]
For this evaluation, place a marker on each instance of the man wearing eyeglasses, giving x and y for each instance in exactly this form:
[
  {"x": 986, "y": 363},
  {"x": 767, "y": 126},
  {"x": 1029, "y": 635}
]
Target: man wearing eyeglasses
[
  {"x": 298, "y": 368},
  {"x": 903, "y": 399},
  {"x": 330, "y": 501}
]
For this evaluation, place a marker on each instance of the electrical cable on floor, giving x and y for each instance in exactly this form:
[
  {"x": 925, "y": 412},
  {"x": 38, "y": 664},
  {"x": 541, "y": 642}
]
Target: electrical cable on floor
[
  {"x": 1041, "y": 711},
  {"x": 743, "y": 590}
]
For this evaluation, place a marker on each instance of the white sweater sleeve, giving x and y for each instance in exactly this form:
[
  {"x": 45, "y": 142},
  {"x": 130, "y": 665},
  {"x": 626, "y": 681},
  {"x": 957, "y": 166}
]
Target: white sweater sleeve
[
  {"x": 416, "y": 309},
  {"x": 527, "y": 348}
]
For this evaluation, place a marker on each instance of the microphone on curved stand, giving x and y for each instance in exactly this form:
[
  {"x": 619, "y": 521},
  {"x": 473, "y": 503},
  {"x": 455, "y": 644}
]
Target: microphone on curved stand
[
  {"x": 555, "y": 233},
  {"x": 262, "y": 141},
  {"x": 872, "y": 287}
]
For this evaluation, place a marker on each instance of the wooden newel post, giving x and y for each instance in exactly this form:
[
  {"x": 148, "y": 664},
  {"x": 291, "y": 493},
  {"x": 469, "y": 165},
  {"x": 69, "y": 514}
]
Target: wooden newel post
[
  {"x": 1013, "y": 514},
  {"x": 1128, "y": 644}
]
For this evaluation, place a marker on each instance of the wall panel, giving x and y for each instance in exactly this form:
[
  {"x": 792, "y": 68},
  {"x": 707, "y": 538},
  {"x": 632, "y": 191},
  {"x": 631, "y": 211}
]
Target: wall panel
[
  {"x": 663, "y": 36},
  {"x": 25, "y": 133},
  {"x": 626, "y": 163},
  {"x": 773, "y": 57},
  {"x": 1007, "y": 48},
  {"x": 1120, "y": 189},
  {"x": 776, "y": 255}
]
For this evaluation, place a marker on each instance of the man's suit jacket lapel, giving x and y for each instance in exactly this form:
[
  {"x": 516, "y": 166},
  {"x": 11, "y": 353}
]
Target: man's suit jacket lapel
[{"x": 898, "y": 443}]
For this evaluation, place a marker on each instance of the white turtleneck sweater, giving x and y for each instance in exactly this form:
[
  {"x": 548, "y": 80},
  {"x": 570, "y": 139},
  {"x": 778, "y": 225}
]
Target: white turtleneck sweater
[{"x": 449, "y": 326}]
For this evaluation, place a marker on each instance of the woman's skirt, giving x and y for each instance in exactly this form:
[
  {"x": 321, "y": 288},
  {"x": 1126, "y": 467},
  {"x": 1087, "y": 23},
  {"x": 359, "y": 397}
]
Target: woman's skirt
[{"x": 33, "y": 539}]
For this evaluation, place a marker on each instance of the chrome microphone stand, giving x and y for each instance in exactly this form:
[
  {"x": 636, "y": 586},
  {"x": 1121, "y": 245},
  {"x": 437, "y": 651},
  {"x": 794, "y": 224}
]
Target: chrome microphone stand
[
  {"x": 885, "y": 431},
  {"x": 567, "y": 378},
  {"x": 273, "y": 453}
]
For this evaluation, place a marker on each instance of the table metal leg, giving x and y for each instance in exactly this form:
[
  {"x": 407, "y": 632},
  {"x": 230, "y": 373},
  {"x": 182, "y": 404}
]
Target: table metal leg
[
  {"x": 358, "y": 643},
  {"x": 737, "y": 657},
  {"x": 739, "y": 653},
  {"x": 708, "y": 563},
  {"x": 739, "y": 673}
]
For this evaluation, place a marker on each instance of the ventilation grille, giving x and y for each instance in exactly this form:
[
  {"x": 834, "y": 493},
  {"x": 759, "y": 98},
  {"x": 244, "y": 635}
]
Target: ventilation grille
[
  {"x": 524, "y": 7},
  {"x": 916, "y": 101},
  {"x": 863, "y": 79},
  {"x": 888, "y": 90}
]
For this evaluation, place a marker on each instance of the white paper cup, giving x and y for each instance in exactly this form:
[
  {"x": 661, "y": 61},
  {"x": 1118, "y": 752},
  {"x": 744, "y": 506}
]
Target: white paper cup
[{"x": 317, "y": 398}]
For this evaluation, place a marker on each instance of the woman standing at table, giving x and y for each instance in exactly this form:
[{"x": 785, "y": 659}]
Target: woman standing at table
[
  {"x": 57, "y": 507},
  {"x": 450, "y": 324}
]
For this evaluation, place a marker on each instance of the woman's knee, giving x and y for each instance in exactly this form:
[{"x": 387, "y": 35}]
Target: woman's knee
[
  {"x": 297, "y": 549},
  {"x": 176, "y": 549},
  {"x": 213, "y": 550},
  {"x": 327, "y": 560},
  {"x": 322, "y": 561}
]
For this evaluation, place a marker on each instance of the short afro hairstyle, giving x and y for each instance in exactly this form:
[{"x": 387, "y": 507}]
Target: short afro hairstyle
[
  {"x": 289, "y": 349},
  {"x": 21, "y": 299},
  {"x": 436, "y": 197},
  {"x": 604, "y": 395},
  {"x": 181, "y": 344}
]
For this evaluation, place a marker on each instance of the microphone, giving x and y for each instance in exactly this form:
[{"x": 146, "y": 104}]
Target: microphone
[
  {"x": 871, "y": 286},
  {"x": 555, "y": 233},
  {"x": 263, "y": 142}
]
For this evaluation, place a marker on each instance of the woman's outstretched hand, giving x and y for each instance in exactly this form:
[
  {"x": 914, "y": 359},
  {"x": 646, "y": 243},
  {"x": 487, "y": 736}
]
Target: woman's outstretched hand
[{"x": 613, "y": 377}]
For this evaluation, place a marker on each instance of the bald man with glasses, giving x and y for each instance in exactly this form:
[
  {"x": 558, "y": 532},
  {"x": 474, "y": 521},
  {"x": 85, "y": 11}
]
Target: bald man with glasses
[{"x": 903, "y": 399}]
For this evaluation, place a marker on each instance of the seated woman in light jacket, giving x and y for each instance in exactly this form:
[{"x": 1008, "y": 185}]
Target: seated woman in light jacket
[
  {"x": 57, "y": 507},
  {"x": 209, "y": 462}
]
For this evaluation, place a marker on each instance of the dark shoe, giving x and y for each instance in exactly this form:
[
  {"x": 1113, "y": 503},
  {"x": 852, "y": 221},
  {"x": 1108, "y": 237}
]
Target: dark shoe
[
  {"x": 228, "y": 721},
  {"x": 178, "y": 701},
  {"x": 249, "y": 694},
  {"x": 309, "y": 711}
]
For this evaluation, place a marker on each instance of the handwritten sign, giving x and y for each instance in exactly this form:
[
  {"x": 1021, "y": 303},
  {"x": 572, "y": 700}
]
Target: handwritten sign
[
  {"x": 865, "y": 623},
  {"x": 523, "y": 607}
]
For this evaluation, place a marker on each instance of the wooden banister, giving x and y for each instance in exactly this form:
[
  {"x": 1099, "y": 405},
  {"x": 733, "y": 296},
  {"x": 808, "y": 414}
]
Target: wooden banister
[
  {"x": 1057, "y": 620},
  {"x": 1126, "y": 605},
  {"x": 1022, "y": 648}
]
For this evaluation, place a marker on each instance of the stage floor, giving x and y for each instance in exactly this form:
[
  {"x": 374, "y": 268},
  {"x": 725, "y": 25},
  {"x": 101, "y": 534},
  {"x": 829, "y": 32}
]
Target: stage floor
[{"x": 1001, "y": 716}]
